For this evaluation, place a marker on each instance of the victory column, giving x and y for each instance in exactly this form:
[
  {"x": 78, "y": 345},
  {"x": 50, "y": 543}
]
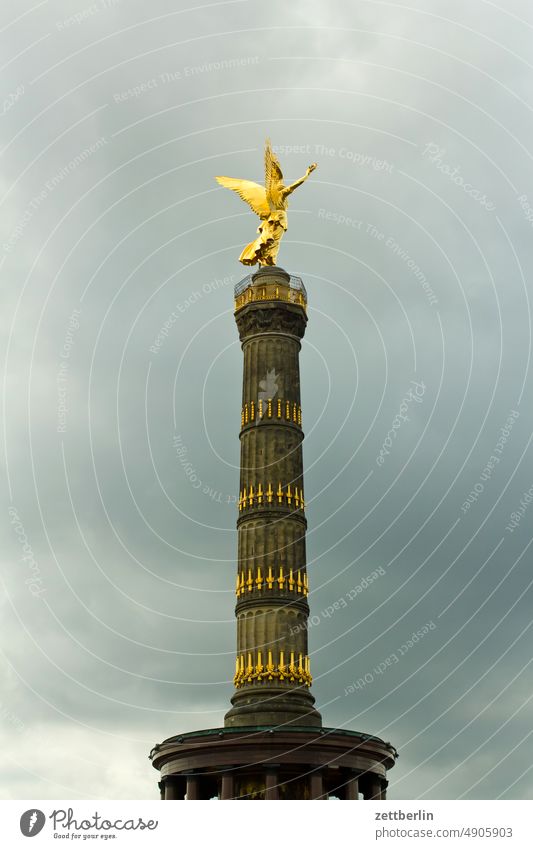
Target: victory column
[{"x": 273, "y": 744}]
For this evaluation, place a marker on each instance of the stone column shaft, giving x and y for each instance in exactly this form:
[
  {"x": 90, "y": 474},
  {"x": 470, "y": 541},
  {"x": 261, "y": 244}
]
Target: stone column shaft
[
  {"x": 271, "y": 784},
  {"x": 316, "y": 785},
  {"x": 193, "y": 788},
  {"x": 272, "y": 671},
  {"x": 352, "y": 789},
  {"x": 228, "y": 789}
]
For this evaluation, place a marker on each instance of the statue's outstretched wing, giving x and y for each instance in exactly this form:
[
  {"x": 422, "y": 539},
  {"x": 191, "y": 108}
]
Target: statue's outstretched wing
[
  {"x": 254, "y": 194},
  {"x": 273, "y": 172}
]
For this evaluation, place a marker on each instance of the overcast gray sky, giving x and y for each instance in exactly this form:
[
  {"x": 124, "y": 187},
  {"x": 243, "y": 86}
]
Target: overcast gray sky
[{"x": 414, "y": 240}]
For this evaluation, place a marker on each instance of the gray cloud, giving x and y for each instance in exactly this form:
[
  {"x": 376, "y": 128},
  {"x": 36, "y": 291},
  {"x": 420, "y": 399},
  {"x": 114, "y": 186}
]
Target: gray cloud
[{"x": 114, "y": 124}]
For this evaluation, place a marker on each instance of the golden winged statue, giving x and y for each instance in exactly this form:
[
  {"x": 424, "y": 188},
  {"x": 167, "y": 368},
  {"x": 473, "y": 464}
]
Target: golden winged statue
[{"x": 270, "y": 203}]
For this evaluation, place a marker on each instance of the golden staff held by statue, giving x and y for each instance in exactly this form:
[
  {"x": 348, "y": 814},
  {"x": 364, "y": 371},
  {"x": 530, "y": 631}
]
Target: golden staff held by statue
[{"x": 270, "y": 203}]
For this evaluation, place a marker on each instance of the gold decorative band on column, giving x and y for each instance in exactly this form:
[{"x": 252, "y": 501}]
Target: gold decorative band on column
[
  {"x": 265, "y": 581},
  {"x": 271, "y": 408},
  {"x": 270, "y": 292},
  {"x": 251, "y": 670},
  {"x": 262, "y": 496}
]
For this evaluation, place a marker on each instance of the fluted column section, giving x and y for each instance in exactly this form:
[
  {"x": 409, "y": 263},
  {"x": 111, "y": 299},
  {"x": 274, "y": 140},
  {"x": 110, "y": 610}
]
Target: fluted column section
[{"x": 272, "y": 669}]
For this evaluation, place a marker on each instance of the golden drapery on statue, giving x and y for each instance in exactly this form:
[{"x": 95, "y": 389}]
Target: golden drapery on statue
[{"x": 270, "y": 202}]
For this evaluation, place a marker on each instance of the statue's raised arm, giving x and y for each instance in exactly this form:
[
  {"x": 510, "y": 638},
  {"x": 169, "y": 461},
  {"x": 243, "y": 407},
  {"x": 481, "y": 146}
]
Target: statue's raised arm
[
  {"x": 299, "y": 182},
  {"x": 270, "y": 203}
]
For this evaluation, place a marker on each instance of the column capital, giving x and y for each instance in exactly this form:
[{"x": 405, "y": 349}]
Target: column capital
[{"x": 259, "y": 317}]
